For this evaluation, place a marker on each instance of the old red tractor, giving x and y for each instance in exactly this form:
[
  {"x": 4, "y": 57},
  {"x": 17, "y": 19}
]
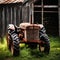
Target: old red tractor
[
  {"x": 28, "y": 33},
  {"x": 31, "y": 34}
]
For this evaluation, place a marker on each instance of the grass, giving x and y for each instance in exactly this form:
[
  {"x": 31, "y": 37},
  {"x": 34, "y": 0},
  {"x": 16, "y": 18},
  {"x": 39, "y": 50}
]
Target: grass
[{"x": 28, "y": 54}]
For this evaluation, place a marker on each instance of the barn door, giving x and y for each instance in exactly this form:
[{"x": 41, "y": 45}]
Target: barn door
[{"x": 46, "y": 13}]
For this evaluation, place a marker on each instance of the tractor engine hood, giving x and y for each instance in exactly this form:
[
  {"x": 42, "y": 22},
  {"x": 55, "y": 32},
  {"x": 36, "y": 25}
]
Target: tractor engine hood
[{"x": 24, "y": 25}]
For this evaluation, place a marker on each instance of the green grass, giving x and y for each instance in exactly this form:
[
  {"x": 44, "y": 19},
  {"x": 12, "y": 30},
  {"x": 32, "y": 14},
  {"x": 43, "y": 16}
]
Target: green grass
[{"x": 28, "y": 54}]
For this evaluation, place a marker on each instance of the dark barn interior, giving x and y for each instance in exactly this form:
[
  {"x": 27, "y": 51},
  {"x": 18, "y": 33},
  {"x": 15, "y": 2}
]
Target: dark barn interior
[
  {"x": 45, "y": 12},
  {"x": 49, "y": 8}
]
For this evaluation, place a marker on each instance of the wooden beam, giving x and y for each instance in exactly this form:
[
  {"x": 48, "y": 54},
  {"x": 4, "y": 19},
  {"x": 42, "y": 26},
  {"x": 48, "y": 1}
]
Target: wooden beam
[
  {"x": 59, "y": 16},
  {"x": 42, "y": 11},
  {"x": 47, "y": 6},
  {"x": 47, "y": 11},
  {"x": 32, "y": 13},
  {"x": 50, "y": 6}
]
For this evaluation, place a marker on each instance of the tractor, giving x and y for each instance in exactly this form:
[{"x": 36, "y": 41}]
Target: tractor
[{"x": 28, "y": 33}]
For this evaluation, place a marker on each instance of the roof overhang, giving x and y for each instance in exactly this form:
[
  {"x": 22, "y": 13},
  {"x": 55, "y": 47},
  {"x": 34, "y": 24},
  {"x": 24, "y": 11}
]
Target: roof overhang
[
  {"x": 10, "y": 1},
  {"x": 14, "y": 1}
]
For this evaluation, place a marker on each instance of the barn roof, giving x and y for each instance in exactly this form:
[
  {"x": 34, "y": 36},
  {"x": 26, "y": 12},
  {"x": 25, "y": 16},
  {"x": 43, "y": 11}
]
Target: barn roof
[{"x": 10, "y": 1}]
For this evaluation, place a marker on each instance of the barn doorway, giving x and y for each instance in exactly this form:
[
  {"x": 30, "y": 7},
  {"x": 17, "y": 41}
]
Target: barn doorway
[{"x": 46, "y": 13}]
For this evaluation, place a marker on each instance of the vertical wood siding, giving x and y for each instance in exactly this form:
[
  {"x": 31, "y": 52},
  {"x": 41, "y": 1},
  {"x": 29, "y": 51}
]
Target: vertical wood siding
[{"x": 10, "y": 14}]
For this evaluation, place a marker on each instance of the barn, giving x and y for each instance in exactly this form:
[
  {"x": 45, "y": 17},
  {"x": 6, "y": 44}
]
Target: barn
[{"x": 46, "y": 12}]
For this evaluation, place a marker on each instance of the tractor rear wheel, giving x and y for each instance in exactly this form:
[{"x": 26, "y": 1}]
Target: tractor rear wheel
[
  {"x": 44, "y": 47},
  {"x": 13, "y": 44},
  {"x": 15, "y": 48}
]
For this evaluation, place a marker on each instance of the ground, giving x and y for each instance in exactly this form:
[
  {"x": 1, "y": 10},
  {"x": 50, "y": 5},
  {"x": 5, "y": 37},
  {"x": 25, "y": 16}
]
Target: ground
[{"x": 29, "y": 54}]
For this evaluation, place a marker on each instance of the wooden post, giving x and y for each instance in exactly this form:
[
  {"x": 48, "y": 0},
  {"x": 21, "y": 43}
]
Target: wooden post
[
  {"x": 3, "y": 25},
  {"x": 32, "y": 13},
  {"x": 15, "y": 15},
  {"x": 42, "y": 10},
  {"x": 59, "y": 16},
  {"x": 29, "y": 13}
]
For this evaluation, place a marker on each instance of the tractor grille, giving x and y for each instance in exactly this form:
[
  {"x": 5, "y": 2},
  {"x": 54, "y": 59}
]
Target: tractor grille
[{"x": 32, "y": 33}]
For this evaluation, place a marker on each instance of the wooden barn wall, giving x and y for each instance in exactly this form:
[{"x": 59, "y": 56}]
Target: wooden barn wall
[{"x": 10, "y": 14}]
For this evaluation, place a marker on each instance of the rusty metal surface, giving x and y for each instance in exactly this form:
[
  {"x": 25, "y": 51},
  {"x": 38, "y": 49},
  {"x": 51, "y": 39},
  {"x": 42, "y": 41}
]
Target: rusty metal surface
[
  {"x": 31, "y": 33},
  {"x": 28, "y": 25},
  {"x": 10, "y": 1}
]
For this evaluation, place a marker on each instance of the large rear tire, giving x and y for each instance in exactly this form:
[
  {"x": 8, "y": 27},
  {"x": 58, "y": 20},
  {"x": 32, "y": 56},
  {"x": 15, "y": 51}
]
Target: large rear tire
[
  {"x": 44, "y": 47},
  {"x": 13, "y": 44},
  {"x": 15, "y": 48}
]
